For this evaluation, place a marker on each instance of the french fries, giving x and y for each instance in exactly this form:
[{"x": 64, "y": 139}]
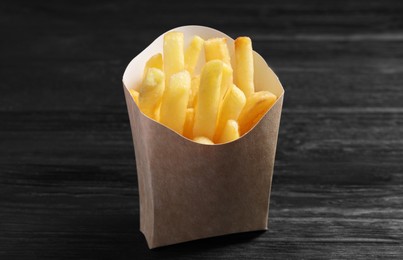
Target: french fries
[
  {"x": 174, "y": 101},
  {"x": 192, "y": 54},
  {"x": 202, "y": 140},
  {"x": 256, "y": 106},
  {"x": 188, "y": 129},
  {"x": 194, "y": 90},
  {"x": 173, "y": 54},
  {"x": 231, "y": 107},
  {"x": 135, "y": 95},
  {"x": 216, "y": 49},
  {"x": 218, "y": 104},
  {"x": 154, "y": 62},
  {"x": 208, "y": 99},
  {"x": 226, "y": 81},
  {"x": 151, "y": 91},
  {"x": 230, "y": 132},
  {"x": 244, "y": 65}
]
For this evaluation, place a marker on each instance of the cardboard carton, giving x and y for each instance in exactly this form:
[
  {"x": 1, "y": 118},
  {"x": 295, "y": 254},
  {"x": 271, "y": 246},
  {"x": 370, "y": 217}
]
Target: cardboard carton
[{"x": 189, "y": 190}]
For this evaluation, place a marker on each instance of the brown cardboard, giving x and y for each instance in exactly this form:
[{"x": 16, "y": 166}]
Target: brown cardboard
[{"x": 190, "y": 191}]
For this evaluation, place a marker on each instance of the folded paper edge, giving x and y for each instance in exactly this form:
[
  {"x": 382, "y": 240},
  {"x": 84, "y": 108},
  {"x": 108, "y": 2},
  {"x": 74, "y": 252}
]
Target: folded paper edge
[{"x": 146, "y": 230}]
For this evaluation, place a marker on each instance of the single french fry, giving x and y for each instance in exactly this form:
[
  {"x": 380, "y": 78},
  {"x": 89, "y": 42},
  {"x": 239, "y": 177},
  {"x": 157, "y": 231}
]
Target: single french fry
[
  {"x": 157, "y": 111},
  {"x": 230, "y": 132},
  {"x": 196, "y": 97},
  {"x": 243, "y": 74},
  {"x": 193, "y": 91},
  {"x": 175, "y": 100},
  {"x": 208, "y": 99},
  {"x": 226, "y": 82},
  {"x": 256, "y": 106},
  {"x": 217, "y": 49},
  {"x": 188, "y": 128},
  {"x": 231, "y": 107},
  {"x": 192, "y": 54},
  {"x": 150, "y": 92},
  {"x": 154, "y": 62},
  {"x": 135, "y": 95},
  {"x": 202, "y": 140},
  {"x": 173, "y": 54}
]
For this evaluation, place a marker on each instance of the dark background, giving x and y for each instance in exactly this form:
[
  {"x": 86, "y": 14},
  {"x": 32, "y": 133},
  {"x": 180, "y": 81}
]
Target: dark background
[{"x": 68, "y": 186}]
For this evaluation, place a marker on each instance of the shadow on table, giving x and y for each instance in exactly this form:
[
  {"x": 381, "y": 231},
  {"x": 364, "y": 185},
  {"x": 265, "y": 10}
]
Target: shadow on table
[
  {"x": 137, "y": 247},
  {"x": 118, "y": 236},
  {"x": 208, "y": 243}
]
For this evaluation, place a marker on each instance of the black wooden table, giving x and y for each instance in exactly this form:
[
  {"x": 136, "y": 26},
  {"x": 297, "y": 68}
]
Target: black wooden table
[{"x": 68, "y": 186}]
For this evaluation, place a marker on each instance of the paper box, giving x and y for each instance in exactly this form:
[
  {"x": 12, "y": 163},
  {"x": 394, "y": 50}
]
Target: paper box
[{"x": 189, "y": 190}]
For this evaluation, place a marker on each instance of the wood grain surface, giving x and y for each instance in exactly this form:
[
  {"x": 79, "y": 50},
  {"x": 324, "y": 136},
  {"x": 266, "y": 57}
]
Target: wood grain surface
[{"x": 68, "y": 187}]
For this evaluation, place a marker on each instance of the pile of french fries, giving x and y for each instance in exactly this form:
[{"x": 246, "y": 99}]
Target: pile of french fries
[{"x": 216, "y": 106}]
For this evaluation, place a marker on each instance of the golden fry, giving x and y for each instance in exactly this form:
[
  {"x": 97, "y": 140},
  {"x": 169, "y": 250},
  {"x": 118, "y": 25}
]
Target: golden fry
[
  {"x": 173, "y": 54},
  {"x": 135, "y": 95},
  {"x": 226, "y": 82},
  {"x": 202, "y": 140},
  {"x": 175, "y": 100},
  {"x": 230, "y": 132},
  {"x": 193, "y": 91},
  {"x": 196, "y": 98},
  {"x": 151, "y": 91},
  {"x": 208, "y": 99},
  {"x": 243, "y": 74},
  {"x": 188, "y": 128},
  {"x": 192, "y": 54},
  {"x": 256, "y": 106},
  {"x": 232, "y": 105},
  {"x": 217, "y": 49},
  {"x": 154, "y": 62}
]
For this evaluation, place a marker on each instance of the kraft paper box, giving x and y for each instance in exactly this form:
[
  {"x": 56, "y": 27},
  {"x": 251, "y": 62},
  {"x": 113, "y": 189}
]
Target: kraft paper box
[{"x": 189, "y": 190}]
